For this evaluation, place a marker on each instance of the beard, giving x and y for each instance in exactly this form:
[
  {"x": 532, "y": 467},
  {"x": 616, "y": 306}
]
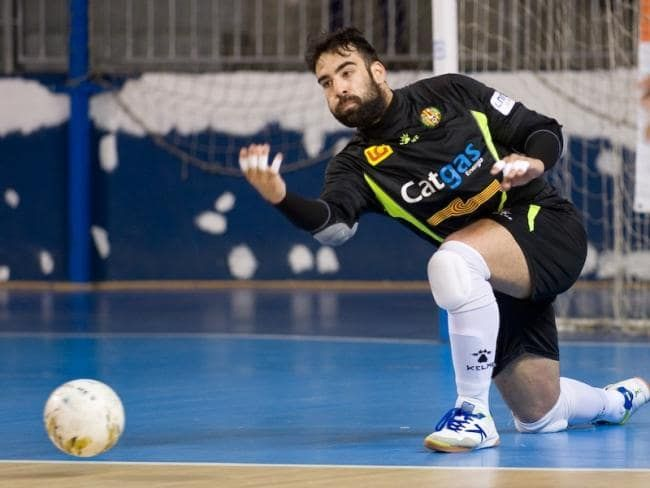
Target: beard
[{"x": 366, "y": 112}]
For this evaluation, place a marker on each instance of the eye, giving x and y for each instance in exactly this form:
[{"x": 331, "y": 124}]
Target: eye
[{"x": 326, "y": 83}]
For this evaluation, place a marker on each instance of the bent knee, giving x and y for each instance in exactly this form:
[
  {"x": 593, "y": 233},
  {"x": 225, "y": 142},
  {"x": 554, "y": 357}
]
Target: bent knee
[
  {"x": 536, "y": 428},
  {"x": 449, "y": 279},
  {"x": 458, "y": 277},
  {"x": 540, "y": 422}
]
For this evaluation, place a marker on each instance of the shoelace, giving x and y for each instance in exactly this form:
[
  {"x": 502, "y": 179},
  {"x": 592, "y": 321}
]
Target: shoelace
[{"x": 457, "y": 419}]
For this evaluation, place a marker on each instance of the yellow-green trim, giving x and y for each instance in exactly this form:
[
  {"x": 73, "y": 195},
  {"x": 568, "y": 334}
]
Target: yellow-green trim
[
  {"x": 394, "y": 210},
  {"x": 502, "y": 203},
  {"x": 482, "y": 121},
  {"x": 533, "y": 210}
]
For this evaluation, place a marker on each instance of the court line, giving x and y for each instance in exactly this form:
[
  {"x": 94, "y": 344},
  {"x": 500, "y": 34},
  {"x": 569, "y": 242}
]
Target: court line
[
  {"x": 341, "y": 285},
  {"x": 180, "y": 285},
  {"x": 270, "y": 337},
  {"x": 210, "y": 335},
  {"x": 321, "y": 466}
]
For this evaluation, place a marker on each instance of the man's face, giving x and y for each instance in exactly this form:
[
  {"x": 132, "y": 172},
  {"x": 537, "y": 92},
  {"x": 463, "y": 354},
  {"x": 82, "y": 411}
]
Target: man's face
[{"x": 353, "y": 95}]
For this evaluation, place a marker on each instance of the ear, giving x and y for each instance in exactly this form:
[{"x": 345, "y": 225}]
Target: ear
[{"x": 378, "y": 71}]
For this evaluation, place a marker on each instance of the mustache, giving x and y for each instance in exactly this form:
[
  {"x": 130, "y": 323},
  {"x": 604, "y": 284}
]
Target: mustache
[{"x": 346, "y": 98}]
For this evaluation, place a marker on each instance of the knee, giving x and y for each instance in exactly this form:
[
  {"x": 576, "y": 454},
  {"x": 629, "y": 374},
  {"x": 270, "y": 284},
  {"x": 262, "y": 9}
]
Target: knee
[
  {"x": 542, "y": 421},
  {"x": 456, "y": 273},
  {"x": 449, "y": 279}
]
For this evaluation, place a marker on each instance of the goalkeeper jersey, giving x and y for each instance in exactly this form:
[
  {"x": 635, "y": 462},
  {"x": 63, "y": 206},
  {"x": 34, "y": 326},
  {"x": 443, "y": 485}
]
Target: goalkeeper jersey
[{"x": 427, "y": 162}]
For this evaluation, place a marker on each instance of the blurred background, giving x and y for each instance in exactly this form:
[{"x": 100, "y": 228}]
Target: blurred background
[{"x": 121, "y": 121}]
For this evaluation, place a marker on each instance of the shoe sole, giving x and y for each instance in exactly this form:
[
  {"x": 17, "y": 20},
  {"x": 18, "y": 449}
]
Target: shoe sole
[{"x": 444, "y": 447}]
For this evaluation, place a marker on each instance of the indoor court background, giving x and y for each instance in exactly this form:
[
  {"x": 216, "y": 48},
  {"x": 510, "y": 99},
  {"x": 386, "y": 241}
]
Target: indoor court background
[
  {"x": 245, "y": 353},
  {"x": 214, "y": 398}
]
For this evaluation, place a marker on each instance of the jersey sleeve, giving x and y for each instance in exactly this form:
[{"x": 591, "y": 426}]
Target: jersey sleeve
[
  {"x": 333, "y": 218},
  {"x": 345, "y": 190},
  {"x": 511, "y": 123}
]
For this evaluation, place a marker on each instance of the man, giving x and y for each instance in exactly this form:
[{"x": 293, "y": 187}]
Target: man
[{"x": 461, "y": 165}]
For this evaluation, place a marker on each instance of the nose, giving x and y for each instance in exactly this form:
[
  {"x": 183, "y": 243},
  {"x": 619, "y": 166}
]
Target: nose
[{"x": 341, "y": 88}]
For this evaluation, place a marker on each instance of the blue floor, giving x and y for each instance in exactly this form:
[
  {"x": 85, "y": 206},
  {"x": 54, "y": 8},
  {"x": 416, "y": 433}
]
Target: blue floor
[{"x": 273, "y": 377}]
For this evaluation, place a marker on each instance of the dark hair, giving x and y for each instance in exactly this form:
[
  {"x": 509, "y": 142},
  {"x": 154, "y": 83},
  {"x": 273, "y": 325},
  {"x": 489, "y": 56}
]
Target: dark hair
[{"x": 341, "y": 41}]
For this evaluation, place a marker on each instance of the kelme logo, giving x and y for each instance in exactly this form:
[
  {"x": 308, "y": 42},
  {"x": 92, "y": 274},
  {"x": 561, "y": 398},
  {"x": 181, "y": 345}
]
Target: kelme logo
[
  {"x": 430, "y": 116},
  {"x": 376, "y": 154}
]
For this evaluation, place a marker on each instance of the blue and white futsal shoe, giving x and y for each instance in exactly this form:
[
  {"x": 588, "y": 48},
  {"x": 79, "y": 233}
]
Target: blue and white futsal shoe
[
  {"x": 636, "y": 393},
  {"x": 464, "y": 428}
]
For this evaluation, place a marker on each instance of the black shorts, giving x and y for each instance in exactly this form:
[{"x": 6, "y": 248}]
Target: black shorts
[{"x": 551, "y": 235}]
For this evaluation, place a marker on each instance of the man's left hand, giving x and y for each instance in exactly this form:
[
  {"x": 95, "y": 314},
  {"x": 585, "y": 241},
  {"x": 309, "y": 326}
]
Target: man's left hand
[{"x": 517, "y": 170}]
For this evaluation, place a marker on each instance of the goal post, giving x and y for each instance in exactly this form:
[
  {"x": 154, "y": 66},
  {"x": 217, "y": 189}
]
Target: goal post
[
  {"x": 445, "y": 36},
  {"x": 445, "y": 60}
]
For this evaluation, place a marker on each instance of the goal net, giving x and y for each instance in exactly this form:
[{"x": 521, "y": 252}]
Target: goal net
[
  {"x": 575, "y": 60},
  {"x": 578, "y": 61}
]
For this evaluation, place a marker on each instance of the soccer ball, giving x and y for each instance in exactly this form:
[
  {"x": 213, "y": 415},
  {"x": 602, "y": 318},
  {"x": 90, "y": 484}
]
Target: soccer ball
[{"x": 84, "y": 417}]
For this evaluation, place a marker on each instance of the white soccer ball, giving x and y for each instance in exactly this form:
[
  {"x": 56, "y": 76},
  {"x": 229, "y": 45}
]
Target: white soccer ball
[{"x": 84, "y": 417}]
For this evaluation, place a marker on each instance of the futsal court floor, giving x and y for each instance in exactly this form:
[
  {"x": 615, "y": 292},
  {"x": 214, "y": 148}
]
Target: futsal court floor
[{"x": 282, "y": 387}]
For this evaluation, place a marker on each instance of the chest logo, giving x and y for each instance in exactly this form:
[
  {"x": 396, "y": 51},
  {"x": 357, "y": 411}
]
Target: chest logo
[
  {"x": 430, "y": 117},
  {"x": 376, "y": 154}
]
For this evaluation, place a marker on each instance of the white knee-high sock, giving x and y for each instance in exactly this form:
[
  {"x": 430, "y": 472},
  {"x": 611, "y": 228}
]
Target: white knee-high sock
[
  {"x": 473, "y": 319},
  {"x": 579, "y": 403},
  {"x": 585, "y": 403}
]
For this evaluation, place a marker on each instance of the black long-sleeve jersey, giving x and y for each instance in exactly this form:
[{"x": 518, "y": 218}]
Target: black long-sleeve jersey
[{"x": 427, "y": 162}]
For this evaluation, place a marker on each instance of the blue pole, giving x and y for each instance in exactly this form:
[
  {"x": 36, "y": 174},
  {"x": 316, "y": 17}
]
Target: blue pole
[{"x": 78, "y": 146}]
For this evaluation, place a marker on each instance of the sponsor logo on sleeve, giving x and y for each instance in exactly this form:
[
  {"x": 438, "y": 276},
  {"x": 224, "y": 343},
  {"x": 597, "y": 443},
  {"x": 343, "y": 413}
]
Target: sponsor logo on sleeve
[
  {"x": 502, "y": 103},
  {"x": 376, "y": 154}
]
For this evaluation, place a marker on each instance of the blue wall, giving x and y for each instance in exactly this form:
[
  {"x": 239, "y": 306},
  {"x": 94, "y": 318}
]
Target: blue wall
[
  {"x": 35, "y": 166},
  {"x": 149, "y": 203}
]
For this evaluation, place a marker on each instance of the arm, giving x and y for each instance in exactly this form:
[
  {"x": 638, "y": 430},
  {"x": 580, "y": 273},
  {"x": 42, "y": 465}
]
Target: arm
[
  {"x": 540, "y": 150},
  {"x": 535, "y": 140},
  {"x": 313, "y": 215}
]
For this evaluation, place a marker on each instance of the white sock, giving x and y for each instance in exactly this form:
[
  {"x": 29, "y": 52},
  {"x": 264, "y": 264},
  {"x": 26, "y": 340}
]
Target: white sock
[
  {"x": 473, "y": 358},
  {"x": 578, "y": 404},
  {"x": 555, "y": 419},
  {"x": 585, "y": 403},
  {"x": 473, "y": 329}
]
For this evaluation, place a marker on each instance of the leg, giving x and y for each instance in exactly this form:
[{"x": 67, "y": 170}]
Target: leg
[
  {"x": 527, "y": 344},
  {"x": 508, "y": 268},
  {"x": 528, "y": 373},
  {"x": 541, "y": 401},
  {"x": 458, "y": 274},
  {"x": 530, "y": 386}
]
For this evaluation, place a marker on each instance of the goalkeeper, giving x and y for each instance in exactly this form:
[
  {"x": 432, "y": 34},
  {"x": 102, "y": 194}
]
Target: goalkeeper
[{"x": 460, "y": 164}]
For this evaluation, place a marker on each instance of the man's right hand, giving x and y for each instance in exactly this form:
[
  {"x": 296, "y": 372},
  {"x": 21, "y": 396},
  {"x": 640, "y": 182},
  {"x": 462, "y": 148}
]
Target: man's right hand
[{"x": 265, "y": 178}]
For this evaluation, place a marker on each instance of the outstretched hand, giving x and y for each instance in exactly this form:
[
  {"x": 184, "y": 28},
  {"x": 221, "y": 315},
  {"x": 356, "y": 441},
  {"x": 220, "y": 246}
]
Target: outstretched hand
[
  {"x": 265, "y": 178},
  {"x": 517, "y": 170}
]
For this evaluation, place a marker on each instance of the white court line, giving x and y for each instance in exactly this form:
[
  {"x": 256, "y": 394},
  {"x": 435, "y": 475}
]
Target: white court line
[{"x": 322, "y": 466}]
